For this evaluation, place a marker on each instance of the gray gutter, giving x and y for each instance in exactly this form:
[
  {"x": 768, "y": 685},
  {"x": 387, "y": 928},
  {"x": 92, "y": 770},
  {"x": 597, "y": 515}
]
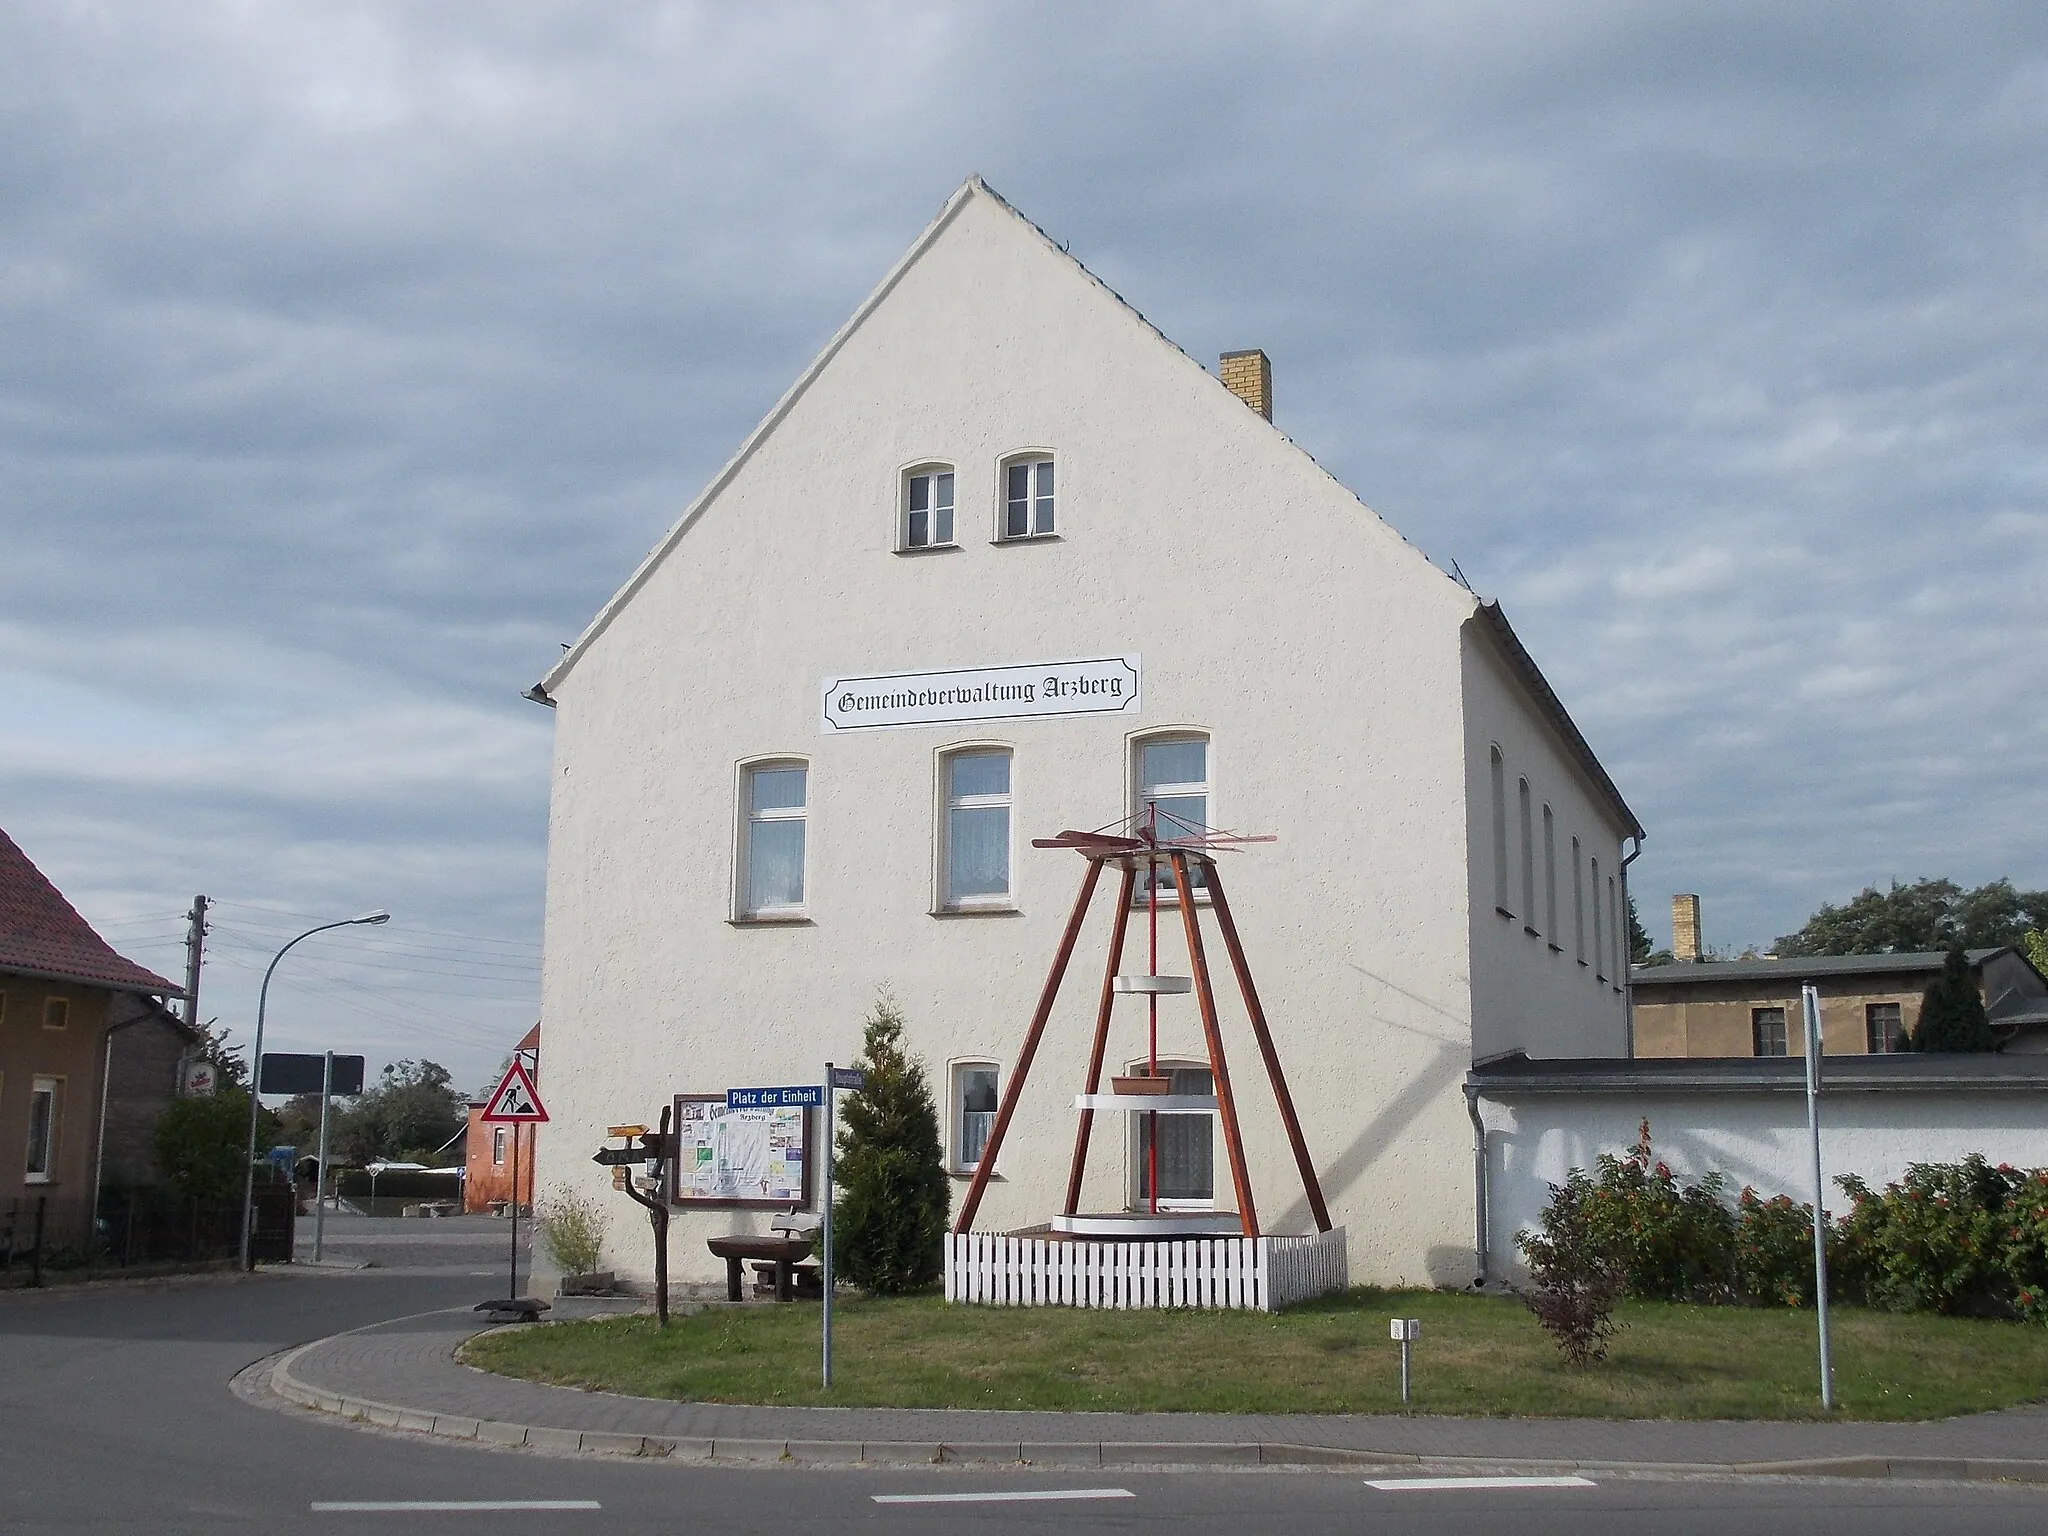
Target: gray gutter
[{"x": 1988, "y": 1073}]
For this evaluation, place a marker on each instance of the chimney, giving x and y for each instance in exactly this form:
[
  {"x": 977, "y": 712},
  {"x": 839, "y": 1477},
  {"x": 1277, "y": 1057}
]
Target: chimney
[
  {"x": 1249, "y": 376},
  {"x": 1685, "y": 928}
]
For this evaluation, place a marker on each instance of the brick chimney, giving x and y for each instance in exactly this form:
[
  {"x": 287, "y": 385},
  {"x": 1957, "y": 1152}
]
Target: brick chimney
[
  {"x": 1249, "y": 376},
  {"x": 1685, "y": 928}
]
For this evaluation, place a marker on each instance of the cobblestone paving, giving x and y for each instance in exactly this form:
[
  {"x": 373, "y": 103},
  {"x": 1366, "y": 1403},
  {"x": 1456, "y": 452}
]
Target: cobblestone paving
[{"x": 410, "y": 1363}]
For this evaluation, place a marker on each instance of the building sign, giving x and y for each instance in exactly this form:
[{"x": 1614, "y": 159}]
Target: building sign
[{"x": 1103, "y": 685}]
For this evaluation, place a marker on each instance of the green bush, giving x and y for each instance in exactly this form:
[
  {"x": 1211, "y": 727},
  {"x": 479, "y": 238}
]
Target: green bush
[
  {"x": 1668, "y": 1240},
  {"x": 1774, "y": 1251},
  {"x": 572, "y": 1229},
  {"x": 1577, "y": 1281},
  {"x": 889, "y": 1222},
  {"x": 202, "y": 1145},
  {"x": 1950, "y": 1237}
]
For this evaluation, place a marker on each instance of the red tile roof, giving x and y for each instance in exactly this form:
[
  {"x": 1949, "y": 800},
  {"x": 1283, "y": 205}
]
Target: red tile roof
[{"x": 41, "y": 934}]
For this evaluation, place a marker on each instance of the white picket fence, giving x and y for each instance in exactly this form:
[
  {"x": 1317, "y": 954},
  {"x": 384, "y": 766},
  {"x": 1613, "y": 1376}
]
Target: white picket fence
[{"x": 1260, "y": 1274}]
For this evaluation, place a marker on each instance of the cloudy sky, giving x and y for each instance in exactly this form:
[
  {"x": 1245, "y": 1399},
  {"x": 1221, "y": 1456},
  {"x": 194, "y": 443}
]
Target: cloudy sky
[{"x": 351, "y": 354}]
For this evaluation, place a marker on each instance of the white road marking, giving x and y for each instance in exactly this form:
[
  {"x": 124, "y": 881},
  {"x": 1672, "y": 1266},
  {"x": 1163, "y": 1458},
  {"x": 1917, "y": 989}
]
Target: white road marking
[
  {"x": 447, "y": 1506},
  {"x": 1446, "y": 1484},
  {"x": 1011, "y": 1496}
]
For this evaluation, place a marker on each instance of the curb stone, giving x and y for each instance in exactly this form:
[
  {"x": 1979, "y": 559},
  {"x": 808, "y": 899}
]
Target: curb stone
[{"x": 1088, "y": 1453}]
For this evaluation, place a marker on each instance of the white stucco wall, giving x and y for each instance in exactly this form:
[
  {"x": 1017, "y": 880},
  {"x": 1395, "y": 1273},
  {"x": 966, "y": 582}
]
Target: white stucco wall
[
  {"x": 1318, "y": 650},
  {"x": 1758, "y": 1139}
]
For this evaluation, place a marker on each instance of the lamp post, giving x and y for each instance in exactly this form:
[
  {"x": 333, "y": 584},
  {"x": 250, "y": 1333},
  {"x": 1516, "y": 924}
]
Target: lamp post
[{"x": 256, "y": 1069}]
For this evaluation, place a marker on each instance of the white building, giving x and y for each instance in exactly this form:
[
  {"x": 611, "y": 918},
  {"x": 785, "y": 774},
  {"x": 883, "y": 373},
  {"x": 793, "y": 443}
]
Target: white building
[{"x": 997, "y": 463}]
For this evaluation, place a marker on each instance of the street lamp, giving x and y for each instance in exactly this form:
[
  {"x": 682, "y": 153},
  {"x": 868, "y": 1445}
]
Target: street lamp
[{"x": 256, "y": 1068}]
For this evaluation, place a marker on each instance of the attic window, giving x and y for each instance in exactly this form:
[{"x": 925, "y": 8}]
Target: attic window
[
  {"x": 1027, "y": 498},
  {"x": 928, "y": 508}
]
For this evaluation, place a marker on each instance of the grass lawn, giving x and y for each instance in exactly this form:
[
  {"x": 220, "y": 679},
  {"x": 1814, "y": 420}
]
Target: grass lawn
[{"x": 1477, "y": 1355}]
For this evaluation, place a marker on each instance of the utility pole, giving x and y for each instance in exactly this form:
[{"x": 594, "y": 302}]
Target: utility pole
[{"x": 195, "y": 946}]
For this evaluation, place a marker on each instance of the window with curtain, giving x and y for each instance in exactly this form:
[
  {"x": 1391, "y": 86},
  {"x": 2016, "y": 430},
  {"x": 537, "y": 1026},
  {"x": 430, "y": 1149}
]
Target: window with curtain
[
  {"x": 1187, "y": 1145},
  {"x": 974, "y": 1111},
  {"x": 776, "y": 796},
  {"x": 976, "y": 833}
]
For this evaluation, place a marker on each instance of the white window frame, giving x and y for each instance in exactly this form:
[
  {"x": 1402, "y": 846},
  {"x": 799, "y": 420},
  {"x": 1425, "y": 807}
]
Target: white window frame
[
  {"x": 956, "y": 1108},
  {"x": 1136, "y": 1136},
  {"x": 1040, "y": 506},
  {"x": 1005, "y": 900},
  {"x": 52, "y": 1088},
  {"x": 498, "y": 1146},
  {"x": 1135, "y": 760},
  {"x": 745, "y": 910},
  {"x": 930, "y": 474}
]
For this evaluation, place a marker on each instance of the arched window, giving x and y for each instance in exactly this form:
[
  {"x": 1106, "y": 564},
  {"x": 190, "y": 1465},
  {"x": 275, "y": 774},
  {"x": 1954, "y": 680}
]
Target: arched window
[
  {"x": 1499, "y": 771},
  {"x": 974, "y": 1110},
  {"x": 1550, "y": 877},
  {"x": 927, "y": 517},
  {"x": 1578, "y": 903},
  {"x": 774, "y": 800},
  {"x": 1599, "y": 932},
  {"x": 1028, "y": 496},
  {"x": 1528, "y": 858}
]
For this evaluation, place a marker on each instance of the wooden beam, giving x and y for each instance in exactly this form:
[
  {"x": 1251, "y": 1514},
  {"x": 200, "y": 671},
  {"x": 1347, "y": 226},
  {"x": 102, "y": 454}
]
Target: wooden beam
[
  {"x": 1046, "y": 998},
  {"x": 1310, "y": 1184},
  {"x": 1122, "y": 922},
  {"x": 1205, "y": 995}
]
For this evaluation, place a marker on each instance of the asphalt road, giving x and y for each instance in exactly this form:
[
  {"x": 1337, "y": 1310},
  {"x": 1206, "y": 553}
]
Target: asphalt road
[{"x": 119, "y": 1417}]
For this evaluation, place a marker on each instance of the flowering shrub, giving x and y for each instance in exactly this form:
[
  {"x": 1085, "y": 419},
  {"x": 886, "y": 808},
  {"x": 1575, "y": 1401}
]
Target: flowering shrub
[
  {"x": 1669, "y": 1241},
  {"x": 1950, "y": 1237},
  {"x": 1774, "y": 1251}
]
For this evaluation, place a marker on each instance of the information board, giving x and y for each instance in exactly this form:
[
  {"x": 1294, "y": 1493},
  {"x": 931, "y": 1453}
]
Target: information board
[{"x": 740, "y": 1157}]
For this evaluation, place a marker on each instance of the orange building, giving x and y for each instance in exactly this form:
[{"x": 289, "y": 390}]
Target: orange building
[{"x": 491, "y": 1151}]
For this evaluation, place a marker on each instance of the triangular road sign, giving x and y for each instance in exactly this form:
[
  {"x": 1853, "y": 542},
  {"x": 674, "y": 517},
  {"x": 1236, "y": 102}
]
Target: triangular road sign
[{"x": 515, "y": 1099}]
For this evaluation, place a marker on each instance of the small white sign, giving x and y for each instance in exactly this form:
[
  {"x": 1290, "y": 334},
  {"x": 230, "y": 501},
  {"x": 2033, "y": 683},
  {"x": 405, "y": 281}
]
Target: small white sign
[
  {"x": 201, "y": 1078},
  {"x": 1102, "y": 685}
]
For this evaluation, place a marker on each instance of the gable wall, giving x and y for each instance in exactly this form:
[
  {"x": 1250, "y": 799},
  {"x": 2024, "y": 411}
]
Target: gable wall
[{"x": 1269, "y": 608}]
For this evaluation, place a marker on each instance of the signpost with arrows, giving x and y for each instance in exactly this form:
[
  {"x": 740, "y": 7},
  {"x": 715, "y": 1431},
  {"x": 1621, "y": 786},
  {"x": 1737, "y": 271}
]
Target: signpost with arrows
[
  {"x": 515, "y": 1102},
  {"x": 653, "y": 1151}
]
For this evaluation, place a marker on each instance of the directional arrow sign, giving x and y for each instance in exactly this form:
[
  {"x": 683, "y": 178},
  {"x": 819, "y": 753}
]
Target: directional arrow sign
[
  {"x": 615, "y": 1157},
  {"x": 774, "y": 1098},
  {"x": 515, "y": 1100}
]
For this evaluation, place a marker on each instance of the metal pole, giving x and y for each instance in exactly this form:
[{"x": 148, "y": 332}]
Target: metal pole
[
  {"x": 1405, "y": 1347},
  {"x": 1810, "y": 999},
  {"x": 826, "y": 1274},
  {"x": 320, "y": 1162},
  {"x": 512, "y": 1294}
]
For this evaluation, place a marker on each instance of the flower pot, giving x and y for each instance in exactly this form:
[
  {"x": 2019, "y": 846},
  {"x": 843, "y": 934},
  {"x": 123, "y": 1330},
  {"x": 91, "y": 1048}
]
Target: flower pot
[
  {"x": 1142, "y": 1083},
  {"x": 598, "y": 1283}
]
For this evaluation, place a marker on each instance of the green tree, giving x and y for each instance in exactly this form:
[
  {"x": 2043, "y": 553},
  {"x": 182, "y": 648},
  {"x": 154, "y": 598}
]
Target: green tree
[
  {"x": 1926, "y": 915},
  {"x": 1639, "y": 949},
  {"x": 201, "y": 1144},
  {"x": 2036, "y": 945},
  {"x": 411, "y": 1112},
  {"x": 889, "y": 1222},
  {"x": 1952, "y": 1012}
]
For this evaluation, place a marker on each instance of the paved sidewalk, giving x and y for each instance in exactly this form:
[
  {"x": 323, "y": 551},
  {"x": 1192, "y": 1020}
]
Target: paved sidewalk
[{"x": 403, "y": 1374}]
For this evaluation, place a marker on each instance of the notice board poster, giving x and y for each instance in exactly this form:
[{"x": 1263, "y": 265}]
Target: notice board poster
[{"x": 740, "y": 1157}]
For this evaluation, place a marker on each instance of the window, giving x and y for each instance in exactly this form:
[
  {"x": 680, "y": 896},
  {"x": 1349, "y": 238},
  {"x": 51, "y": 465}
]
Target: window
[
  {"x": 774, "y": 854},
  {"x": 1027, "y": 498},
  {"x": 976, "y": 832},
  {"x": 1187, "y": 1158},
  {"x": 1500, "y": 835},
  {"x": 1599, "y": 933},
  {"x": 1578, "y": 904},
  {"x": 1173, "y": 788},
  {"x": 497, "y": 1146},
  {"x": 1528, "y": 859},
  {"x": 42, "y": 1130},
  {"x": 56, "y": 1012},
  {"x": 1550, "y": 877},
  {"x": 974, "y": 1112},
  {"x": 1615, "y": 934},
  {"x": 928, "y": 508},
  {"x": 1884, "y": 1029},
  {"x": 1767, "y": 1031}
]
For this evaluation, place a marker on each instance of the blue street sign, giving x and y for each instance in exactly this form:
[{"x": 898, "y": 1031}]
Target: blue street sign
[
  {"x": 849, "y": 1077},
  {"x": 774, "y": 1098}
]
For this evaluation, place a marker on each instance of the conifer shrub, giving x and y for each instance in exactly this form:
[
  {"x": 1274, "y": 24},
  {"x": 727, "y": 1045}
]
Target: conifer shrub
[
  {"x": 889, "y": 1221},
  {"x": 1952, "y": 1016}
]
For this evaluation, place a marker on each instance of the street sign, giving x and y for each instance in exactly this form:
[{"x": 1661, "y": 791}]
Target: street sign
[
  {"x": 774, "y": 1098},
  {"x": 515, "y": 1101},
  {"x": 304, "y": 1072},
  {"x": 849, "y": 1077}
]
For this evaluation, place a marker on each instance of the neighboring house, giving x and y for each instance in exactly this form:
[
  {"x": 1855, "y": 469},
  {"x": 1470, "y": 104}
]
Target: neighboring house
[
  {"x": 1121, "y": 586},
  {"x": 1870, "y": 1004},
  {"x": 70, "y": 1006},
  {"x": 488, "y": 1150}
]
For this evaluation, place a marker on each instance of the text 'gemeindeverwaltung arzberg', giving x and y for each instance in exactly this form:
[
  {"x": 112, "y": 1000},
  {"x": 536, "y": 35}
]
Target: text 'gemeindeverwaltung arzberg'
[{"x": 1102, "y": 685}]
